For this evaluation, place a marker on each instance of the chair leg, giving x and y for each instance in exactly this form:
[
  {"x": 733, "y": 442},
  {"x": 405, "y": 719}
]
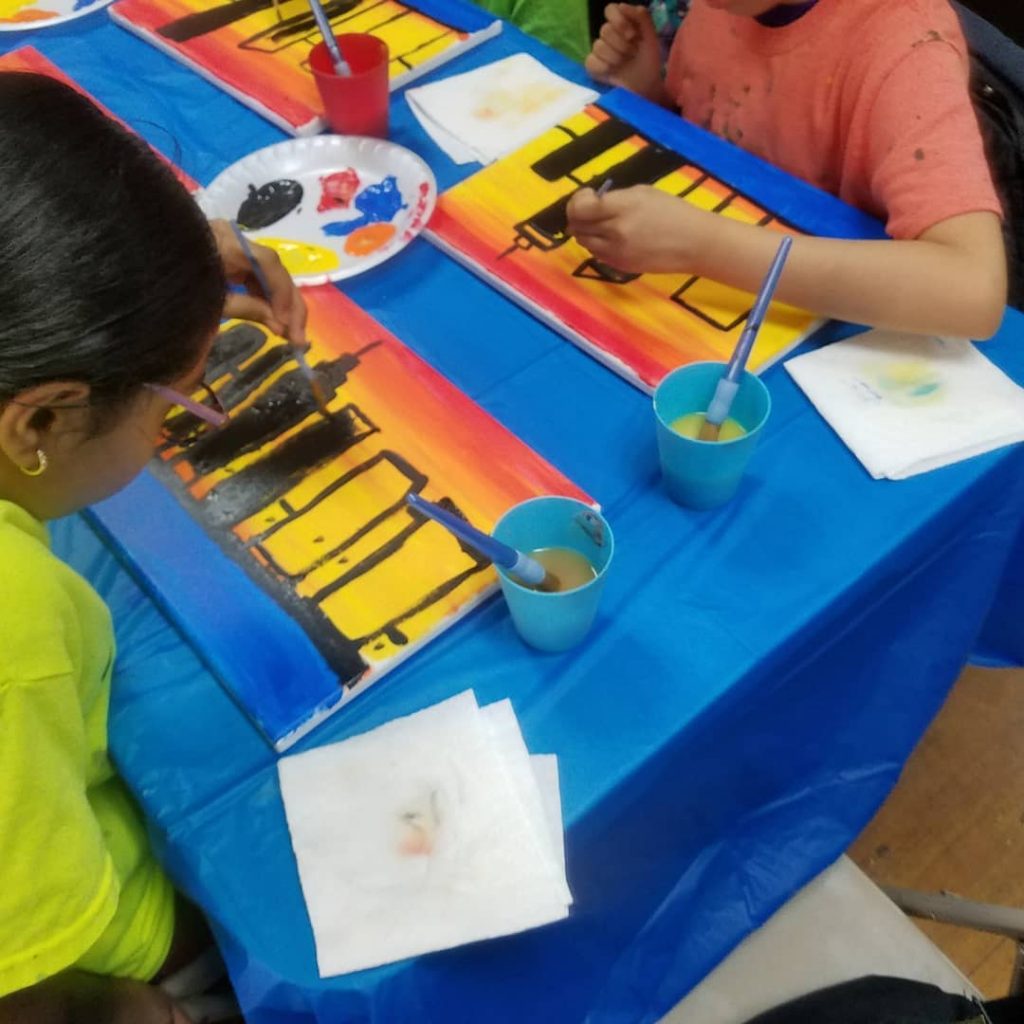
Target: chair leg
[
  {"x": 950, "y": 909},
  {"x": 1017, "y": 978}
]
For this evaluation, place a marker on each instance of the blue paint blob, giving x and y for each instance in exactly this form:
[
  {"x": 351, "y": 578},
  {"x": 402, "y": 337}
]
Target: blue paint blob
[
  {"x": 377, "y": 204},
  {"x": 80, "y": 4}
]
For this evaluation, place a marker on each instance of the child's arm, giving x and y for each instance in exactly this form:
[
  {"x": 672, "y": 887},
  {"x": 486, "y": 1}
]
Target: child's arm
[
  {"x": 628, "y": 53},
  {"x": 75, "y": 997},
  {"x": 950, "y": 280}
]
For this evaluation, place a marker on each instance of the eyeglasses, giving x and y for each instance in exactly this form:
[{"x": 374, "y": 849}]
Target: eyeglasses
[{"x": 210, "y": 412}]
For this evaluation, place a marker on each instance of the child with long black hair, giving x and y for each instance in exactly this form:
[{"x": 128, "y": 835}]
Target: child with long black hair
[{"x": 112, "y": 285}]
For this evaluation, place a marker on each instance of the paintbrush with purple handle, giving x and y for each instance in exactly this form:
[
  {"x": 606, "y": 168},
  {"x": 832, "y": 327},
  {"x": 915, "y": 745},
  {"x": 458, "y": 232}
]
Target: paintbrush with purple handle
[
  {"x": 300, "y": 357},
  {"x": 729, "y": 384},
  {"x": 324, "y": 24}
]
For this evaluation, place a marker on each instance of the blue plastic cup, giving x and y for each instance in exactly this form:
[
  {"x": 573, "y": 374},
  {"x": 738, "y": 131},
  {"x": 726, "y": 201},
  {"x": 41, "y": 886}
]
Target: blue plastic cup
[
  {"x": 705, "y": 474},
  {"x": 558, "y": 621}
]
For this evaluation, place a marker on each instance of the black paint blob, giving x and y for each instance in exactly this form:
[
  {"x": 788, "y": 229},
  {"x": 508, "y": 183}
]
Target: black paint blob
[{"x": 267, "y": 204}]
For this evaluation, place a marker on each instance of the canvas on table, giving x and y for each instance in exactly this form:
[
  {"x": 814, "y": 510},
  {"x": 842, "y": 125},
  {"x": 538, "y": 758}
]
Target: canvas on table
[
  {"x": 508, "y": 223},
  {"x": 311, "y": 509},
  {"x": 258, "y": 50}
]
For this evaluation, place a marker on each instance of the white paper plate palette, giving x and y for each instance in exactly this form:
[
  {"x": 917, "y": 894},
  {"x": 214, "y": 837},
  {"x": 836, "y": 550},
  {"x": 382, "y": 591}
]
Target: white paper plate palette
[{"x": 331, "y": 206}]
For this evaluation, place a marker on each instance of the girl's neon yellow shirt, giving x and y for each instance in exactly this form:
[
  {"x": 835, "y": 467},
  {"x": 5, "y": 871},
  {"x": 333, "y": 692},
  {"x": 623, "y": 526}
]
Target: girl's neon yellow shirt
[
  {"x": 563, "y": 24},
  {"x": 78, "y": 884}
]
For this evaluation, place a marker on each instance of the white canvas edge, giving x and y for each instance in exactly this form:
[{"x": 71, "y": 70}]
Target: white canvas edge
[{"x": 474, "y": 40}]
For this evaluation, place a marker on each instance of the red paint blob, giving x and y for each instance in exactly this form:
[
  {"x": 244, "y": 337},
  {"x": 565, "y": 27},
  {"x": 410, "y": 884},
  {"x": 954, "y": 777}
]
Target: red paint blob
[{"x": 337, "y": 190}]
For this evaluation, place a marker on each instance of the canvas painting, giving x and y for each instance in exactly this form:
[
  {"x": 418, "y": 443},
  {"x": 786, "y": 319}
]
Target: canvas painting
[
  {"x": 26, "y": 58},
  {"x": 312, "y": 506},
  {"x": 258, "y": 50},
  {"x": 508, "y": 223}
]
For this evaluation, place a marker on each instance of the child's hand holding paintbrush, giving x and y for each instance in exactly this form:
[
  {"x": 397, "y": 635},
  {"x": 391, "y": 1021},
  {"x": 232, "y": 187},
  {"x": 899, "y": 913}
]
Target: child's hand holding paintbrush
[
  {"x": 271, "y": 297},
  {"x": 263, "y": 292}
]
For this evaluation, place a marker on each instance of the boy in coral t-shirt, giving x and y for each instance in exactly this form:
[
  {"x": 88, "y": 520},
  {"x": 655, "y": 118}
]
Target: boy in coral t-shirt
[{"x": 867, "y": 99}]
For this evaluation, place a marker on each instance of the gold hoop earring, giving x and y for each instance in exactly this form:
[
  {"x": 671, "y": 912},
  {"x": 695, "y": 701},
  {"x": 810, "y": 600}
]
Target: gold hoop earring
[{"x": 41, "y": 468}]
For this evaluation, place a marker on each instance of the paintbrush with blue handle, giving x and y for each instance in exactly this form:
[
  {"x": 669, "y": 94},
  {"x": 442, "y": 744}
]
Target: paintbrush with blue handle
[
  {"x": 300, "y": 357},
  {"x": 528, "y": 570},
  {"x": 324, "y": 24},
  {"x": 727, "y": 387}
]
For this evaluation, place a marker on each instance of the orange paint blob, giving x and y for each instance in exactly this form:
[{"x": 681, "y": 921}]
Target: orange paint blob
[
  {"x": 366, "y": 240},
  {"x": 32, "y": 14}
]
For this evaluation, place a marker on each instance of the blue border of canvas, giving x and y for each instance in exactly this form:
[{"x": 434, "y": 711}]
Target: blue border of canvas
[
  {"x": 809, "y": 208},
  {"x": 279, "y": 681},
  {"x": 284, "y": 681}
]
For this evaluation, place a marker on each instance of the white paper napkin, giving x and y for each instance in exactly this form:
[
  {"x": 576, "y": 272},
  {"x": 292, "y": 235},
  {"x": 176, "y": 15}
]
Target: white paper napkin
[
  {"x": 486, "y": 113},
  {"x": 423, "y": 834},
  {"x": 545, "y": 770},
  {"x": 905, "y": 404},
  {"x": 510, "y": 746}
]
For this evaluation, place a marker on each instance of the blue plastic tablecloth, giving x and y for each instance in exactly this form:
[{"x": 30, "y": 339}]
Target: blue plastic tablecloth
[{"x": 756, "y": 681}]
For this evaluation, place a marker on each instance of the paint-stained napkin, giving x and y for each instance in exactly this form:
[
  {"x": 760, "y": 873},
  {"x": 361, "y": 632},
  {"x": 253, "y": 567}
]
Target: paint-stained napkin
[
  {"x": 428, "y": 832},
  {"x": 905, "y": 404},
  {"x": 494, "y": 110}
]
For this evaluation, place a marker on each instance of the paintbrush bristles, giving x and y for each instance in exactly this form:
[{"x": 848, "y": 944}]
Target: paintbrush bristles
[
  {"x": 551, "y": 584},
  {"x": 709, "y": 431},
  {"x": 316, "y": 386},
  {"x": 319, "y": 394}
]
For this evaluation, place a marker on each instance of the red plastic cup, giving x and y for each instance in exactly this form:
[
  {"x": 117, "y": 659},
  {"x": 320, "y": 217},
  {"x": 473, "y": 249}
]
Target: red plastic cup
[{"x": 355, "y": 104}]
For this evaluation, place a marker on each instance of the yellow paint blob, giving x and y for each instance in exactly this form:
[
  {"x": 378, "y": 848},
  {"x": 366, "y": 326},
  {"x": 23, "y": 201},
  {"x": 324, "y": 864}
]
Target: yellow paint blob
[
  {"x": 690, "y": 424},
  {"x": 369, "y": 239},
  {"x": 302, "y": 257},
  {"x": 14, "y": 10}
]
